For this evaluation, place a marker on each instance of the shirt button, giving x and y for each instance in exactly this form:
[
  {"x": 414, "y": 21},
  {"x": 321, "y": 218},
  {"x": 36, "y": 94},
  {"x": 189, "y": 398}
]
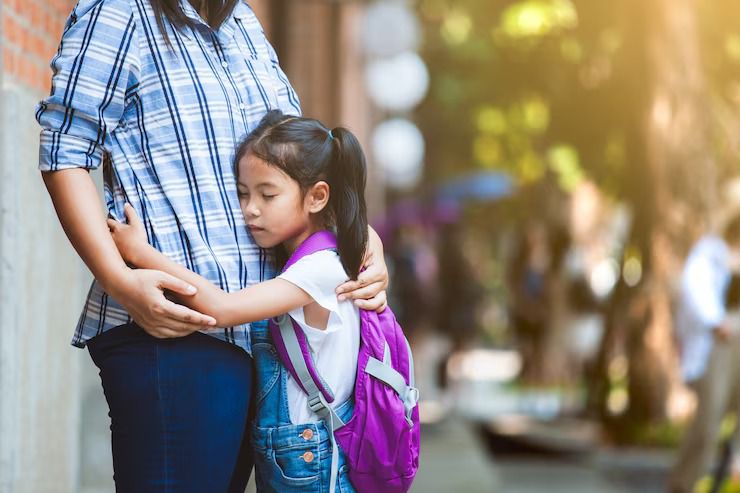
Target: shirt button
[
  {"x": 308, "y": 457},
  {"x": 225, "y": 64},
  {"x": 307, "y": 434},
  {"x": 243, "y": 106}
]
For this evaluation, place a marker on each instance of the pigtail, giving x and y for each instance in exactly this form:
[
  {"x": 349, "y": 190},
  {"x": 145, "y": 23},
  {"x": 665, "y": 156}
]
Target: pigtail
[{"x": 347, "y": 178}]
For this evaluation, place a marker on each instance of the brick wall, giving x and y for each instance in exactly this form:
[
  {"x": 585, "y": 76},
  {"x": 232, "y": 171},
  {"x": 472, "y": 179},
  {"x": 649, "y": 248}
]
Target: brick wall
[{"x": 30, "y": 33}]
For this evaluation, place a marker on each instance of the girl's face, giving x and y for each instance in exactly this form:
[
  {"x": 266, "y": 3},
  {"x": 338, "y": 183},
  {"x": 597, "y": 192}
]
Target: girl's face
[{"x": 274, "y": 208}]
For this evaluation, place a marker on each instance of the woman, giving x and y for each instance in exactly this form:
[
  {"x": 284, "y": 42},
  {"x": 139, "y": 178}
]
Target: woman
[{"x": 161, "y": 91}]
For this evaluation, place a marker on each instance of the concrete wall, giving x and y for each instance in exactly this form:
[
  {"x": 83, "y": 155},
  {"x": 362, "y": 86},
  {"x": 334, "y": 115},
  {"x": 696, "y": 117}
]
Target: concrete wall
[
  {"x": 42, "y": 287},
  {"x": 42, "y": 281}
]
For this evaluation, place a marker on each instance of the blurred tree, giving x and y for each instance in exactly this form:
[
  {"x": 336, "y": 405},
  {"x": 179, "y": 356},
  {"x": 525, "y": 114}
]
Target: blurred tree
[{"x": 639, "y": 97}]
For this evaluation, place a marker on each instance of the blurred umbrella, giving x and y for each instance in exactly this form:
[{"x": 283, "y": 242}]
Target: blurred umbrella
[{"x": 482, "y": 186}]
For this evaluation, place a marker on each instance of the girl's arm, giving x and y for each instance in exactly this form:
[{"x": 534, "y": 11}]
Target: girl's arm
[{"x": 257, "y": 302}]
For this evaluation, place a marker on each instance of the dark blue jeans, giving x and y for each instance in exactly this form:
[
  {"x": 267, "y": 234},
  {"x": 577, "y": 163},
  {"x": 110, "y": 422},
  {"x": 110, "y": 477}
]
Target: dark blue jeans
[{"x": 178, "y": 409}]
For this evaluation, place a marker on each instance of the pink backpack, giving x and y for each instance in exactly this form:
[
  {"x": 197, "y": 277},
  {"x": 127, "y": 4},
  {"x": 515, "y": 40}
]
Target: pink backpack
[{"x": 381, "y": 440}]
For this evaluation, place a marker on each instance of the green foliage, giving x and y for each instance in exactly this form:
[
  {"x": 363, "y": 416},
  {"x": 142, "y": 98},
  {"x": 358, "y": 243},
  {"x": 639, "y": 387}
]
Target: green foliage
[
  {"x": 534, "y": 19},
  {"x": 705, "y": 485},
  {"x": 514, "y": 83},
  {"x": 664, "y": 435}
]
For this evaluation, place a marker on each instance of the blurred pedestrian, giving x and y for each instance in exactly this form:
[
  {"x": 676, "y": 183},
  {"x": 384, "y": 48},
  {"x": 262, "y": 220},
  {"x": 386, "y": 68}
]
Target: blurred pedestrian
[
  {"x": 460, "y": 296},
  {"x": 529, "y": 277},
  {"x": 710, "y": 349},
  {"x": 414, "y": 279}
]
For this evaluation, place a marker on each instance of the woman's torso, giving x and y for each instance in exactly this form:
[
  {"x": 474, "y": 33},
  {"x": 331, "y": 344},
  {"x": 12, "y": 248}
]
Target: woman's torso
[{"x": 171, "y": 153}]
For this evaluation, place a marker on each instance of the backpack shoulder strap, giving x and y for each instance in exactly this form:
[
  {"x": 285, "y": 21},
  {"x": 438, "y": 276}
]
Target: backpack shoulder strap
[
  {"x": 288, "y": 335},
  {"x": 316, "y": 400},
  {"x": 299, "y": 359},
  {"x": 321, "y": 240}
]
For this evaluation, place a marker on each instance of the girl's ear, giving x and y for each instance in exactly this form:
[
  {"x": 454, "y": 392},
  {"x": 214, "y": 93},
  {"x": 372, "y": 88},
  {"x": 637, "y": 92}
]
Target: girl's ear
[{"x": 317, "y": 197}]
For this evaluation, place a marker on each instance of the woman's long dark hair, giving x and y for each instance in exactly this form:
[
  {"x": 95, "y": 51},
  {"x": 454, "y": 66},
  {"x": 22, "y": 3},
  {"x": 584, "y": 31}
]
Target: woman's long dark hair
[
  {"x": 216, "y": 12},
  {"x": 305, "y": 150}
]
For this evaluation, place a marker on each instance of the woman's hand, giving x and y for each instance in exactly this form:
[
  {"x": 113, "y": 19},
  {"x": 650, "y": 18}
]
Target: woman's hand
[
  {"x": 141, "y": 292},
  {"x": 130, "y": 238},
  {"x": 368, "y": 290}
]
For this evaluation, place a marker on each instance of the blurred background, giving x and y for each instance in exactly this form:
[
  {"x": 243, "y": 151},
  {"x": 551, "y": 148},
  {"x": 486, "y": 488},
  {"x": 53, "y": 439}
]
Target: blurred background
[{"x": 540, "y": 170}]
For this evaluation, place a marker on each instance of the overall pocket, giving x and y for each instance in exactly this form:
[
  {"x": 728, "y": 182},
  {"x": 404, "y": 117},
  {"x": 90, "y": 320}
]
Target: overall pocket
[
  {"x": 288, "y": 470},
  {"x": 267, "y": 367}
]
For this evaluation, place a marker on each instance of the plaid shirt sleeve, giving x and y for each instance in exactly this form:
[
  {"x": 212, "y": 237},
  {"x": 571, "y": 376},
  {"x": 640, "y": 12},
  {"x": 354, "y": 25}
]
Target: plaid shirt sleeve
[{"x": 94, "y": 72}]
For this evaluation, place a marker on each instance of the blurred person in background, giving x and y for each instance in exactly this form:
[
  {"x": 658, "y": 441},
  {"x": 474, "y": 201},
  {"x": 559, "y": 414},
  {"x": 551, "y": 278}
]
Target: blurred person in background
[
  {"x": 414, "y": 278},
  {"x": 528, "y": 283},
  {"x": 460, "y": 294},
  {"x": 710, "y": 357}
]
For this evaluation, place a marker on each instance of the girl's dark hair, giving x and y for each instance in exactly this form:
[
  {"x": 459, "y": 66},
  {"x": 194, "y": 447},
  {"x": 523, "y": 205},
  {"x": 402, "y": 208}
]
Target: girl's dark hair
[
  {"x": 216, "y": 12},
  {"x": 308, "y": 152}
]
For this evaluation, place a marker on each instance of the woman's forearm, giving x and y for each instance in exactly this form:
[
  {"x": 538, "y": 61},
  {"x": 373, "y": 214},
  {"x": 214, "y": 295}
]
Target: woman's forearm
[
  {"x": 374, "y": 243},
  {"x": 209, "y": 298},
  {"x": 76, "y": 202},
  {"x": 80, "y": 212}
]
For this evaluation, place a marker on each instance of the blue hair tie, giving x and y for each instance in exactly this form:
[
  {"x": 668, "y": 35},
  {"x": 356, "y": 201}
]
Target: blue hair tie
[{"x": 331, "y": 135}]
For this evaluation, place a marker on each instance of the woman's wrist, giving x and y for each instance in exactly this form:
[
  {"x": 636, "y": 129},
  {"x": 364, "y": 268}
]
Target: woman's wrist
[
  {"x": 374, "y": 245},
  {"x": 117, "y": 281}
]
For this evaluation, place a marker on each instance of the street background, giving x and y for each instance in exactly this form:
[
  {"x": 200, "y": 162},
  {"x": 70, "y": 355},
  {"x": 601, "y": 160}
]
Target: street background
[{"x": 539, "y": 170}]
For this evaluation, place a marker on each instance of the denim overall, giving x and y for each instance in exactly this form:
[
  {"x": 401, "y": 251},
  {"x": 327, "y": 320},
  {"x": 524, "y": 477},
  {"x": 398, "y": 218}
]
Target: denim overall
[{"x": 288, "y": 458}]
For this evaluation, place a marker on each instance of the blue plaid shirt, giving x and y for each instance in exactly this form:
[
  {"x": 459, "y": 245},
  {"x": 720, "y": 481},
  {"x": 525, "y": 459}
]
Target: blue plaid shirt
[{"x": 168, "y": 121}]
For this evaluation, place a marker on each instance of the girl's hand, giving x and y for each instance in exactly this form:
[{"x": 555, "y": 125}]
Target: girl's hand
[
  {"x": 130, "y": 238},
  {"x": 368, "y": 290}
]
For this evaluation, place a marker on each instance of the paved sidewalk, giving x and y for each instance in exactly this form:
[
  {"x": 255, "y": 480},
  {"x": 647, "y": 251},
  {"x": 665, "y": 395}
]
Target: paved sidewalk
[{"x": 455, "y": 460}]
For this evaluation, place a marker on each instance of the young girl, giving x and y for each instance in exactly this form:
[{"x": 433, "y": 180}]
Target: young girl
[{"x": 295, "y": 177}]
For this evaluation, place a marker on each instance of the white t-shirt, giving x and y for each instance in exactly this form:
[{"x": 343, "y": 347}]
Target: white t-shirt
[{"x": 335, "y": 348}]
